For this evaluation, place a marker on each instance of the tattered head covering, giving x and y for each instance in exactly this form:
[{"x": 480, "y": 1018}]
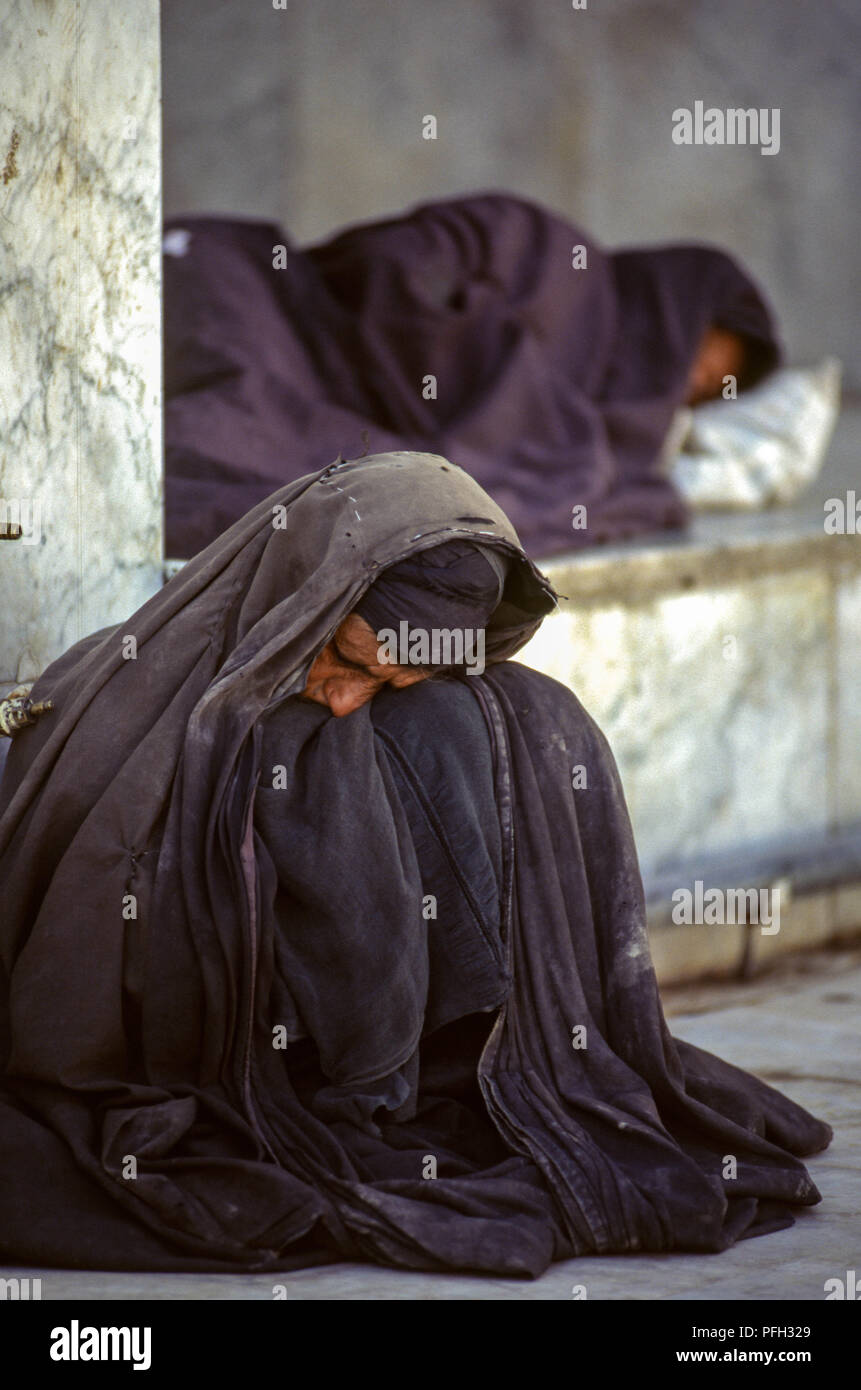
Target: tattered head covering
[{"x": 454, "y": 585}]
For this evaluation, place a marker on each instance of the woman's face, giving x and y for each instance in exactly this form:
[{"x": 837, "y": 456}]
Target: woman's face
[
  {"x": 347, "y": 674},
  {"x": 720, "y": 354}
]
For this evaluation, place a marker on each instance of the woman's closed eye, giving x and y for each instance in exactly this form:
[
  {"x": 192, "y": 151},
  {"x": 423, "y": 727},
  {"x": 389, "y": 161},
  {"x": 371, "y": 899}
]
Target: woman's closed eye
[{"x": 345, "y": 660}]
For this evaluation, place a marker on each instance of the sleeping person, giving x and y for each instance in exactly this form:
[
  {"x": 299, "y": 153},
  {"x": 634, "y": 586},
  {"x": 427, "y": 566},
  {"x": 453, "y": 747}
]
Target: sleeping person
[
  {"x": 483, "y": 328},
  {"x": 314, "y": 948}
]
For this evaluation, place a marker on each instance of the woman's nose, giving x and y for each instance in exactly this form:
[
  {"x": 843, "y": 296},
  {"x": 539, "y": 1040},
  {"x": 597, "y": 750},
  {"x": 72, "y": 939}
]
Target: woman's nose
[{"x": 345, "y": 696}]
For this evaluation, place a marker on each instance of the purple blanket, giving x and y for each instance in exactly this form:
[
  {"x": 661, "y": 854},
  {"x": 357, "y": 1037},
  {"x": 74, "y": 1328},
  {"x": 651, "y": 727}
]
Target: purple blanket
[{"x": 485, "y": 329}]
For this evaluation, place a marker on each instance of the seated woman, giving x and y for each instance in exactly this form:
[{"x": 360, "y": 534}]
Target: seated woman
[{"x": 314, "y": 948}]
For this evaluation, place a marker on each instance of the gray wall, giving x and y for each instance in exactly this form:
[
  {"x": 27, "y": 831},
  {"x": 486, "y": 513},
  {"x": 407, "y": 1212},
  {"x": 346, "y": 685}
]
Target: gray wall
[{"x": 312, "y": 114}]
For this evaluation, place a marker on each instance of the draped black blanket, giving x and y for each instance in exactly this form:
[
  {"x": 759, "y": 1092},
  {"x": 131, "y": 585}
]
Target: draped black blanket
[
  {"x": 147, "y": 1120},
  {"x": 462, "y": 328}
]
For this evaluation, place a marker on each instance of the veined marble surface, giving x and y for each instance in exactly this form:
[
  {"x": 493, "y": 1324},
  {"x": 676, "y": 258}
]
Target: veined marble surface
[
  {"x": 726, "y": 748},
  {"x": 80, "y": 320},
  {"x": 847, "y": 675},
  {"x": 718, "y": 706}
]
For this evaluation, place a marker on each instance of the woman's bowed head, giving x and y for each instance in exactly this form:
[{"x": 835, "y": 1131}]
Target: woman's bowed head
[{"x": 424, "y": 616}]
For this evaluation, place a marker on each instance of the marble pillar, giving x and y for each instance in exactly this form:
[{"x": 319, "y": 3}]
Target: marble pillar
[{"x": 80, "y": 321}]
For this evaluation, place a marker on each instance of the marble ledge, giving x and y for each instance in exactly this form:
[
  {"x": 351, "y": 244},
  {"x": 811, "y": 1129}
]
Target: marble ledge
[{"x": 713, "y": 552}]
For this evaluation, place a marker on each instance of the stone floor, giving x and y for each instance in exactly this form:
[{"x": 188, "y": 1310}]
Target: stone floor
[{"x": 799, "y": 1027}]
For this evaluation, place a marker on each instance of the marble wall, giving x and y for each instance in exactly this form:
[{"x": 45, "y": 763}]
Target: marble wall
[
  {"x": 716, "y": 706},
  {"x": 80, "y": 327},
  {"x": 312, "y": 114},
  {"x": 723, "y": 666},
  {"x": 846, "y": 676}
]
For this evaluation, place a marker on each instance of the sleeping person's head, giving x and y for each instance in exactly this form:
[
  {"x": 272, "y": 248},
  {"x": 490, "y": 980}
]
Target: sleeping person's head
[
  {"x": 424, "y": 616},
  {"x": 721, "y": 353},
  {"x": 689, "y": 316}
]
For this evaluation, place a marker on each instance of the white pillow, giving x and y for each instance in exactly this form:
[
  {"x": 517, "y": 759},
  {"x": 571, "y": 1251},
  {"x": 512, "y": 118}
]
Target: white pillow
[{"x": 760, "y": 449}]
